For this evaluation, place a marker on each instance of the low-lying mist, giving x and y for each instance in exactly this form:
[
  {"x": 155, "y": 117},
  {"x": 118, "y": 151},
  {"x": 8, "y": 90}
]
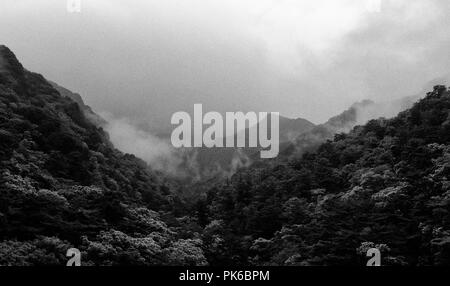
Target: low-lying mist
[
  {"x": 196, "y": 164},
  {"x": 128, "y": 138},
  {"x": 183, "y": 163}
]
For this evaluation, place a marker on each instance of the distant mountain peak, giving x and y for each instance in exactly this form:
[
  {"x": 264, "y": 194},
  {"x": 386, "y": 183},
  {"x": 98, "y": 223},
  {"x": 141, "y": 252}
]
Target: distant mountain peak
[{"x": 363, "y": 103}]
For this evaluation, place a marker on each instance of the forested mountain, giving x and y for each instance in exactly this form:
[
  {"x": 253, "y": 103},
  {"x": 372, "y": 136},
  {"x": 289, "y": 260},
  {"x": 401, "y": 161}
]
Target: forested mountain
[
  {"x": 358, "y": 114},
  {"x": 341, "y": 123},
  {"x": 204, "y": 164},
  {"x": 62, "y": 184},
  {"x": 385, "y": 184}
]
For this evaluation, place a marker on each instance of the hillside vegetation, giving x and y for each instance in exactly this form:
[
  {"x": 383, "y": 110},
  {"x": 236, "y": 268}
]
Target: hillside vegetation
[
  {"x": 385, "y": 184},
  {"x": 62, "y": 184}
]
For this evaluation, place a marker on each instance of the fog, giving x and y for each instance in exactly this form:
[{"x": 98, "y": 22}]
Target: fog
[
  {"x": 144, "y": 60},
  {"x": 130, "y": 139}
]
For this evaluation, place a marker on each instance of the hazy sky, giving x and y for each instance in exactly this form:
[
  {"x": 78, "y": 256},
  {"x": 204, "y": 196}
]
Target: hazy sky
[{"x": 145, "y": 60}]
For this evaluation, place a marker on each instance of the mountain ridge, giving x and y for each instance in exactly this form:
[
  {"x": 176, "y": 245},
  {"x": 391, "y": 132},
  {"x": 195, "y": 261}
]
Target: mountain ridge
[
  {"x": 383, "y": 185},
  {"x": 64, "y": 185}
]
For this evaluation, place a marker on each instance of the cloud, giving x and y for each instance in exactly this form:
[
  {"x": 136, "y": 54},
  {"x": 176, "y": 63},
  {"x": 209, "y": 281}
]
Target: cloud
[
  {"x": 129, "y": 139},
  {"x": 144, "y": 60}
]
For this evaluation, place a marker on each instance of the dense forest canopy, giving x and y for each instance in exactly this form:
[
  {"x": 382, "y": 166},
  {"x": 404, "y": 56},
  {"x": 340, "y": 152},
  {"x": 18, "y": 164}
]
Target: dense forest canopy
[
  {"x": 63, "y": 184},
  {"x": 384, "y": 184}
]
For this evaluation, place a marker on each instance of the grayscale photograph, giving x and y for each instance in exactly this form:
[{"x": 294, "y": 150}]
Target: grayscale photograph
[{"x": 228, "y": 139}]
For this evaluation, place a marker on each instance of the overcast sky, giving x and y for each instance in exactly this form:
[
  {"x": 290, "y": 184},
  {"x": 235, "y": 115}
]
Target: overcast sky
[{"x": 144, "y": 60}]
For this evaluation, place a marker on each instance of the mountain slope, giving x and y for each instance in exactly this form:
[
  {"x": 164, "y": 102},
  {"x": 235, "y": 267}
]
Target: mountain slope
[
  {"x": 385, "y": 185},
  {"x": 63, "y": 184},
  {"x": 358, "y": 114},
  {"x": 205, "y": 164},
  {"x": 88, "y": 112}
]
